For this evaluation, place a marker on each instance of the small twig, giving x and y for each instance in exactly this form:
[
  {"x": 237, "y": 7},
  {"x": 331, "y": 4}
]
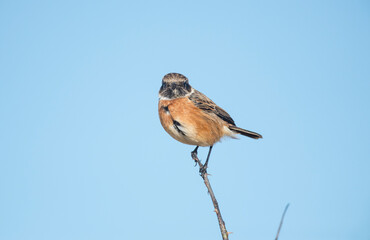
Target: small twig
[
  {"x": 204, "y": 175},
  {"x": 281, "y": 222}
]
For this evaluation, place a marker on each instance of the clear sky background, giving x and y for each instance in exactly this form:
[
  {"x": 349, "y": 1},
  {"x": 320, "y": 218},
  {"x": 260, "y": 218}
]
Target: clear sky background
[{"x": 83, "y": 154}]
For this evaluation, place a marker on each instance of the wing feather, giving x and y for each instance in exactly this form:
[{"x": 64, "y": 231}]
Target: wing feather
[{"x": 203, "y": 102}]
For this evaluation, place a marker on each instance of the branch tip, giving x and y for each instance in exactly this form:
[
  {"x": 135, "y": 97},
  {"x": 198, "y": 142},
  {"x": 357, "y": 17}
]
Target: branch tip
[{"x": 281, "y": 221}]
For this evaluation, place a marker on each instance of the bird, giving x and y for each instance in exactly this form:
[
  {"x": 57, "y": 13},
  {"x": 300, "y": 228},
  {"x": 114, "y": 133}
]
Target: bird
[{"x": 192, "y": 118}]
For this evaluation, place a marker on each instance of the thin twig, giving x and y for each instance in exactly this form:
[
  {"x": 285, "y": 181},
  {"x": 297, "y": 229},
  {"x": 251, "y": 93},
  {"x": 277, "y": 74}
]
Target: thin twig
[
  {"x": 281, "y": 222},
  {"x": 204, "y": 175}
]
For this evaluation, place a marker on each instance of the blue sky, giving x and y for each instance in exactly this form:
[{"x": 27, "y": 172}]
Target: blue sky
[{"x": 83, "y": 155}]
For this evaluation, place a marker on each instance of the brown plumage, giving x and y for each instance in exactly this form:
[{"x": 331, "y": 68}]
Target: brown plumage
[
  {"x": 192, "y": 125},
  {"x": 191, "y": 117}
]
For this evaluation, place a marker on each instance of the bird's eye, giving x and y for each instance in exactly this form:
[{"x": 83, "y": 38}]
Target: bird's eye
[
  {"x": 164, "y": 86},
  {"x": 186, "y": 86}
]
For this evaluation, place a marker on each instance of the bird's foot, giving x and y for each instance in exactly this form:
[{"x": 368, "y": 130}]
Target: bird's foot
[
  {"x": 194, "y": 156},
  {"x": 203, "y": 170}
]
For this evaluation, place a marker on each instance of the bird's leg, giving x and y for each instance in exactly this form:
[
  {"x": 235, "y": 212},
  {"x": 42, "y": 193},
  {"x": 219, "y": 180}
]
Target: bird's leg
[
  {"x": 194, "y": 155},
  {"x": 203, "y": 169}
]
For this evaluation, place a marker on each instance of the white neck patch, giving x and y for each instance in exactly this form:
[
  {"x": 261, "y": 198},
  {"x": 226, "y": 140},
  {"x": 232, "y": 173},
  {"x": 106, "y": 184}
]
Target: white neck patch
[{"x": 166, "y": 98}]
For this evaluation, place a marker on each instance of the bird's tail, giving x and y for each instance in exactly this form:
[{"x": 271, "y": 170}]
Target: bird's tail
[{"x": 245, "y": 132}]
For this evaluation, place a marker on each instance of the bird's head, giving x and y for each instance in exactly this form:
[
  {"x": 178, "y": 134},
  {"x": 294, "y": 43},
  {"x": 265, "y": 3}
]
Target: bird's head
[{"x": 174, "y": 85}]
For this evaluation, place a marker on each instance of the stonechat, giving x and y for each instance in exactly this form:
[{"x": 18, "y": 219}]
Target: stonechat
[{"x": 192, "y": 118}]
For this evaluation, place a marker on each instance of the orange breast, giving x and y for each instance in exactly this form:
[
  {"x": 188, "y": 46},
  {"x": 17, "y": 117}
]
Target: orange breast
[{"x": 199, "y": 128}]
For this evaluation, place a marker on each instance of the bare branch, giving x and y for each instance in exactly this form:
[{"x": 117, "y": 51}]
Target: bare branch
[
  {"x": 204, "y": 175},
  {"x": 281, "y": 222}
]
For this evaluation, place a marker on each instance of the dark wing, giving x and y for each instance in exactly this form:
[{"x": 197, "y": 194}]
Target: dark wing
[{"x": 203, "y": 102}]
